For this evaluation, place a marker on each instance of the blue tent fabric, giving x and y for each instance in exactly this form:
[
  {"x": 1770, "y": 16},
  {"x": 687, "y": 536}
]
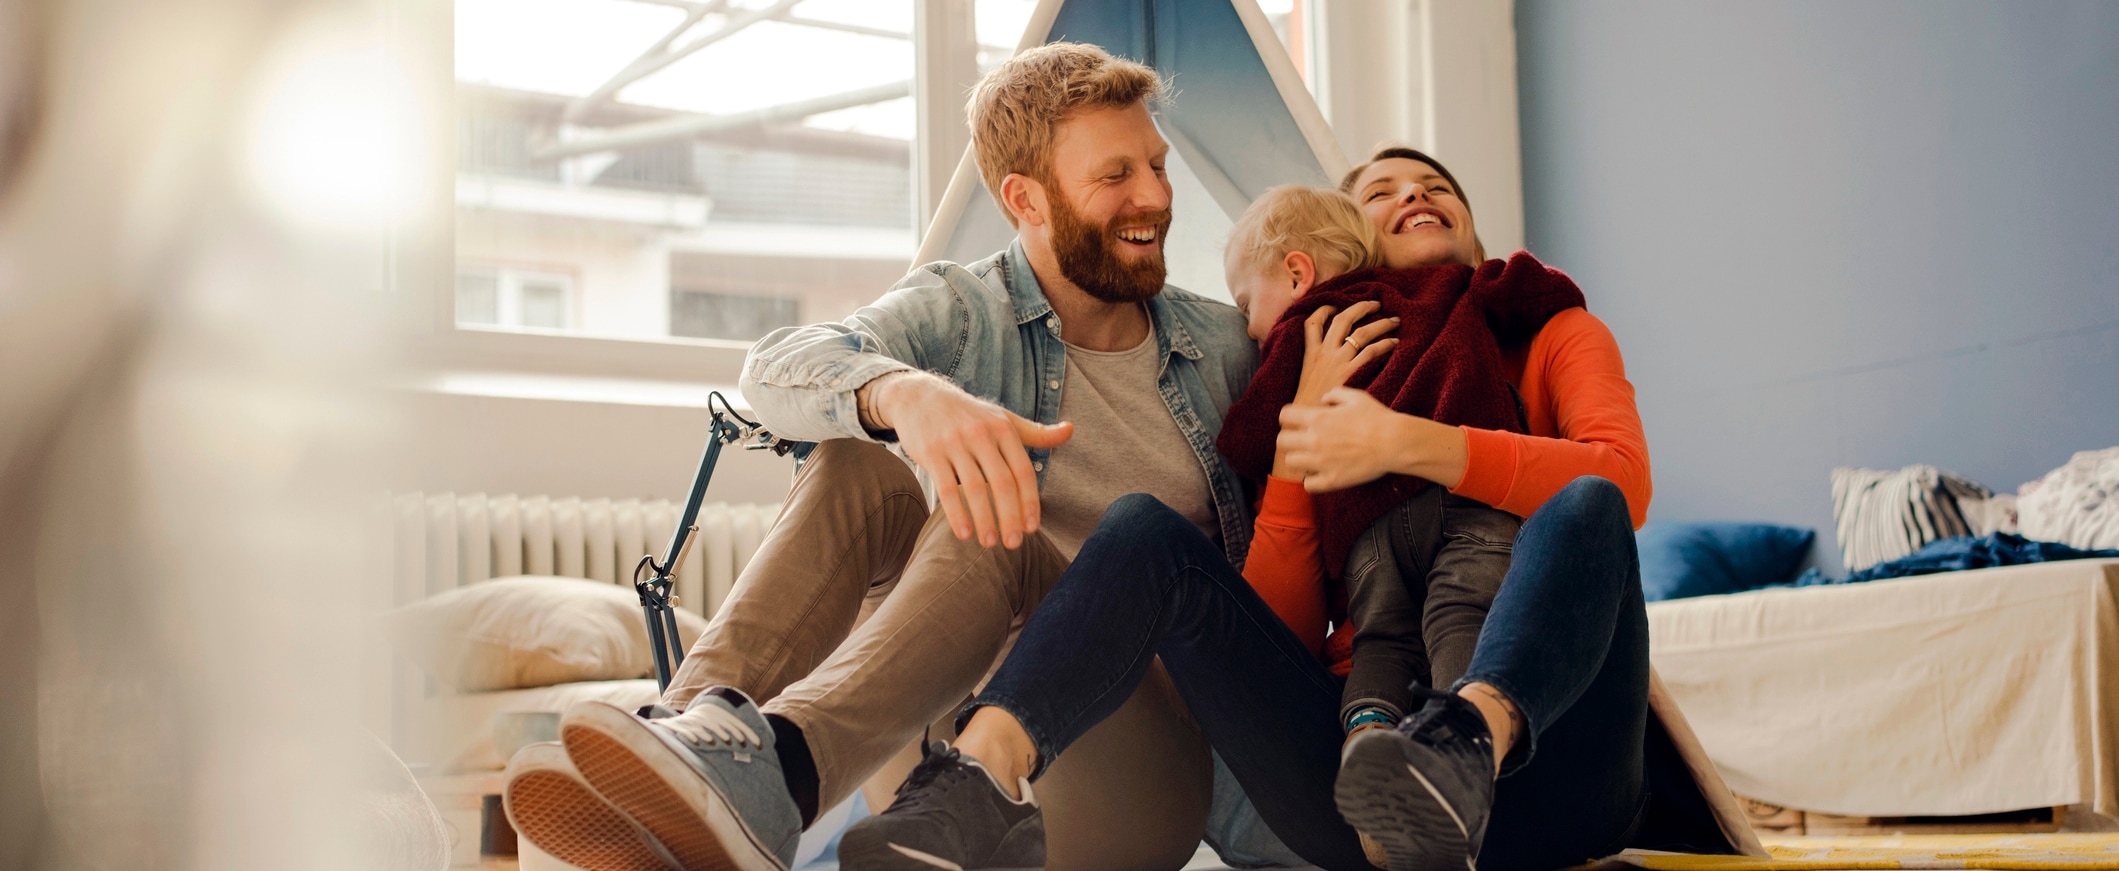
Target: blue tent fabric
[
  {"x": 1224, "y": 102},
  {"x": 1959, "y": 554}
]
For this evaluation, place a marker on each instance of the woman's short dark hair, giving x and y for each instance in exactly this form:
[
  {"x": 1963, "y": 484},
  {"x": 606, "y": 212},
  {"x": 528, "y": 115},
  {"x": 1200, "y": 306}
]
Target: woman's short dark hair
[{"x": 1399, "y": 151}]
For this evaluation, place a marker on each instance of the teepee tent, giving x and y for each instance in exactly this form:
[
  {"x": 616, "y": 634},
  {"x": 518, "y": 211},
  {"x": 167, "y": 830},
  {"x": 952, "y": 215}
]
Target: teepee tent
[{"x": 1239, "y": 122}]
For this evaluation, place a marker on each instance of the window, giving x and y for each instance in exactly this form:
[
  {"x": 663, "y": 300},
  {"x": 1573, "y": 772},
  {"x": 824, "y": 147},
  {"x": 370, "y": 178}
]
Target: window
[
  {"x": 511, "y": 298},
  {"x": 708, "y": 315},
  {"x": 1289, "y": 23},
  {"x": 682, "y": 168}
]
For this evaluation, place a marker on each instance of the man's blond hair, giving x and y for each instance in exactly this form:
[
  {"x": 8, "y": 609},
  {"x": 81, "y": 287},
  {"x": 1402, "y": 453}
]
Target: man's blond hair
[
  {"x": 1325, "y": 224},
  {"x": 1016, "y": 108}
]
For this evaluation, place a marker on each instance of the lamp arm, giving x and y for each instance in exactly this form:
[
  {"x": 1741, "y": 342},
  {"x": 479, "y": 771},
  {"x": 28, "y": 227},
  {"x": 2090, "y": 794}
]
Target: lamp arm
[{"x": 655, "y": 581}]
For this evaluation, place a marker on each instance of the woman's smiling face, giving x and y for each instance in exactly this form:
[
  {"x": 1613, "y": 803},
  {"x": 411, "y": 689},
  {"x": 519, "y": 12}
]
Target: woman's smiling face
[{"x": 1418, "y": 214}]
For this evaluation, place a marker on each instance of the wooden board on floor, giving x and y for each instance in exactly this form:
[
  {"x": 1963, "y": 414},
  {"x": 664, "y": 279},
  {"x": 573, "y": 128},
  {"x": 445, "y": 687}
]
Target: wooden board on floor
[{"x": 1774, "y": 819}]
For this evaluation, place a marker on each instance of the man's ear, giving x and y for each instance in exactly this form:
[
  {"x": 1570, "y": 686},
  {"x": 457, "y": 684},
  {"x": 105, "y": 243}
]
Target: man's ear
[
  {"x": 1025, "y": 199},
  {"x": 1303, "y": 270}
]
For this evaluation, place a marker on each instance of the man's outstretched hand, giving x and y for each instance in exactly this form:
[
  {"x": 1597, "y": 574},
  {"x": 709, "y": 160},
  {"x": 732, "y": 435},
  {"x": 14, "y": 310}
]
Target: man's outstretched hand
[{"x": 973, "y": 449}]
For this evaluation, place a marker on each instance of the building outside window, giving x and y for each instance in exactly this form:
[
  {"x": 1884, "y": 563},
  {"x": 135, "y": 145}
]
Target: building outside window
[
  {"x": 514, "y": 298},
  {"x": 686, "y": 169}
]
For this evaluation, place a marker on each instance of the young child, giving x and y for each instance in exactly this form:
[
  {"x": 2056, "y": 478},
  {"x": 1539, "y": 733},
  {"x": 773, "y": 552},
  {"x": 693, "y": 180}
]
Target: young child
[{"x": 1297, "y": 249}]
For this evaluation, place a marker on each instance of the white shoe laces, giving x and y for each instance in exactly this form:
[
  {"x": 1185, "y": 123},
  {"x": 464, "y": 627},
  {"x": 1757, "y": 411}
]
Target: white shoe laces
[{"x": 712, "y": 724}]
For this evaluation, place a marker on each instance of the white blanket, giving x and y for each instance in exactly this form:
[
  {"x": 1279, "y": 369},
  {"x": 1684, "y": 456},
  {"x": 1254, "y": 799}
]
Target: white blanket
[
  {"x": 1960, "y": 693},
  {"x": 454, "y": 732}
]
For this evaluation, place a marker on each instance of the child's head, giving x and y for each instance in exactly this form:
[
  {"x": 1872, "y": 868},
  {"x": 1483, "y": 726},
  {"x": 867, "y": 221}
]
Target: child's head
[{"x": 1289, "y": 240}]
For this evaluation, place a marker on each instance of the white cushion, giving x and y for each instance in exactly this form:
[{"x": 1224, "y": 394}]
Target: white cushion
[
  {"x": 1882, "y": 516},
  {"x": 454, "y": 732},
  {"x": 529, "y": 631},
  {"x": 2076, "y": 504}
]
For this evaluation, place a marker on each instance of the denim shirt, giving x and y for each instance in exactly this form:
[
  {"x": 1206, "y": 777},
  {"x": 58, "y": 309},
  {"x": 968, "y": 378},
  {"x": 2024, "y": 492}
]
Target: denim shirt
[{"x": 988, "y": 328}]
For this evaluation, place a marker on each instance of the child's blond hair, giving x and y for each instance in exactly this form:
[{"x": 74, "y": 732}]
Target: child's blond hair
[{"x": 1325, "y": 224}]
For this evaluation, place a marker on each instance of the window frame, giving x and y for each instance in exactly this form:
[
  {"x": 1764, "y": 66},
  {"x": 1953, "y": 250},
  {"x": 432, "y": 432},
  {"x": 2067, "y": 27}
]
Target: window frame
[{"x": 423, "y": 245}]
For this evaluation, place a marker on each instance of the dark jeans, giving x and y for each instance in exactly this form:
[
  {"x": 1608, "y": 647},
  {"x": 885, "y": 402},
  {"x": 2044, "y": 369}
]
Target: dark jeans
[
  {"x": 1567, "y": 640},
  {"x": 1419, "y": 583}
]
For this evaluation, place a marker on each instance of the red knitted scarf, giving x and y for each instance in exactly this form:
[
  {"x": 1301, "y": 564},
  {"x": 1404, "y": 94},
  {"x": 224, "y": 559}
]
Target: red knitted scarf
[{"x": 1447, "y": 367}]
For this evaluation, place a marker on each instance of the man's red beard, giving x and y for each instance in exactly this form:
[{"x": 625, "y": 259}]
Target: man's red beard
[{"x": 1088, "y": 255}]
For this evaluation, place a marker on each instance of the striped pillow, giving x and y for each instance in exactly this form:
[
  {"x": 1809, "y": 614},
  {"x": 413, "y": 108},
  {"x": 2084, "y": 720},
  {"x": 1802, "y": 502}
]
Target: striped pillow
[{"x": 1886, "y": 515}]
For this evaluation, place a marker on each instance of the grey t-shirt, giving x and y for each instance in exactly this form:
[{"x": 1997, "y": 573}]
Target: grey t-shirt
[{"x": 1124, "y": 442}]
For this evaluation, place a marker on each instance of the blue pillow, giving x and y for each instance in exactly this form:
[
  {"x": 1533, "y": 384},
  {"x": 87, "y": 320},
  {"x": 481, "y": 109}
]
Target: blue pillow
[{"x": 1680, "y": 560}]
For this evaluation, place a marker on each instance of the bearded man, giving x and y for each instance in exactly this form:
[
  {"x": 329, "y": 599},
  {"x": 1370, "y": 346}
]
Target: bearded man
[{"x": 1033, "y": 388}]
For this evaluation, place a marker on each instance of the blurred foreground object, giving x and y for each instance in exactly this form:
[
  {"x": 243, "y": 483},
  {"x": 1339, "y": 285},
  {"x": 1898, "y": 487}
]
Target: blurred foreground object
[{"x": 191, "y": 301}]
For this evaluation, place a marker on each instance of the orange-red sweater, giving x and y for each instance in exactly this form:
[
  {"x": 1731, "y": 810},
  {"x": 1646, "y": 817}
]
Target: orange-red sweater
[{"x": 1582, "y": 422}]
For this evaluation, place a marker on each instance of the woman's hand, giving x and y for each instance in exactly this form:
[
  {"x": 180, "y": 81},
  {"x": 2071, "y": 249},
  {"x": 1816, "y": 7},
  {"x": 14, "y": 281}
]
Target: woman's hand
[
  {"x": 1351, "y": 439},
  {"x": 1333, "y": 350}
]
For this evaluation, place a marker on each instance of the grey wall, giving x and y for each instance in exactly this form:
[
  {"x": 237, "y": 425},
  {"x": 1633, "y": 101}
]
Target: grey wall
[{"x": 1832, "y": 233}]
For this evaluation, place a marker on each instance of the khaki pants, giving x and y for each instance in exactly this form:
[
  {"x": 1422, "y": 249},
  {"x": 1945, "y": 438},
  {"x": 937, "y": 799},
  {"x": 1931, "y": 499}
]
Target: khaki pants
[{"x": 862, "y": 620}]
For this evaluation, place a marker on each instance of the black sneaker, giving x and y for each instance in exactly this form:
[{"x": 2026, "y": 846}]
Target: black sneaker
[
  {"x": 1424, "y": 789},
  {"x": 950, "y": 814}
]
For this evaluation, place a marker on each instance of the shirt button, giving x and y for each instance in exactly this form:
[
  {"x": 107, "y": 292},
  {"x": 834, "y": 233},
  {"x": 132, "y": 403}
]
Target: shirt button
[
  {"x": 1053, "y": 384},
  {"x": 1037, "y": 467}
]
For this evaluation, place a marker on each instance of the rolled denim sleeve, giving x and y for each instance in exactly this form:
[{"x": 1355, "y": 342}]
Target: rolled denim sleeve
[{"x": 801, "y": 380}]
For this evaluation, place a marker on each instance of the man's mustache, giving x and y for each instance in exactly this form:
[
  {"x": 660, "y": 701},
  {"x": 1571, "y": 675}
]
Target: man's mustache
[{"x": 1159, "y": 220}]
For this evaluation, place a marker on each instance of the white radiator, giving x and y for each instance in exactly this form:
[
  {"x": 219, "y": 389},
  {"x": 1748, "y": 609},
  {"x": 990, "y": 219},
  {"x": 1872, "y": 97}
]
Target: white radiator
[{"x": 440, "y": 541}]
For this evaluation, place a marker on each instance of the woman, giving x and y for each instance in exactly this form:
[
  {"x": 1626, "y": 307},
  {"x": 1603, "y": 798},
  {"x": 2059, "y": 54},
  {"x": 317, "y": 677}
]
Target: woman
[{"x": 1556, "y": 698}]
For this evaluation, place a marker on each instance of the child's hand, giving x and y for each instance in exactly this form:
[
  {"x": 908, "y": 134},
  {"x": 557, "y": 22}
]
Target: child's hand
[{"x": 1333, "y": 353}]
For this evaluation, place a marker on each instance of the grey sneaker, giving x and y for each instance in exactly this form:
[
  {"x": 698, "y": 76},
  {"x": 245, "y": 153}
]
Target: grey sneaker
[
  {"x": 1423, "y": 790},
  {"x": 950, "y": 814},
  {"x": 550, "y": 806},
  {"x": 705, "y": 783}
]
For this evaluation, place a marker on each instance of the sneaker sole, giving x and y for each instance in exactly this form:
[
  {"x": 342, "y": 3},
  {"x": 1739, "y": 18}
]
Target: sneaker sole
[
  {"x": 554, "y": 809},
  {"x": 643, "y": 777},
  {"x": 1380, "y": 793}
]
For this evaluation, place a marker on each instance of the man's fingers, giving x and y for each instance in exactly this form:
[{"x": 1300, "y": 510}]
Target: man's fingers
[
  {"x": 1038, "y": 435},
  {"x": 1025, "y": 477},
  {"x": 978, "y": 498},
  {"x": 1007, "y": 500},
  {"x": 946, "y": 493}
]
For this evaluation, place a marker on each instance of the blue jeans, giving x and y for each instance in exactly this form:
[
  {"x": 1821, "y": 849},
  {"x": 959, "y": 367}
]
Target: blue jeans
[{"x": 1567, "y": 640}]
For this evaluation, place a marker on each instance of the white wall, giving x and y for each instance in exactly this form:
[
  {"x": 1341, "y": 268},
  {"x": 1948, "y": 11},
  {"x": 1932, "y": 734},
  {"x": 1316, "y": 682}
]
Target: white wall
[
  {"x": 493, "y": 444},
  {"x": 1437, "y": 75},
  {"x": 1833, "y": 234}
]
